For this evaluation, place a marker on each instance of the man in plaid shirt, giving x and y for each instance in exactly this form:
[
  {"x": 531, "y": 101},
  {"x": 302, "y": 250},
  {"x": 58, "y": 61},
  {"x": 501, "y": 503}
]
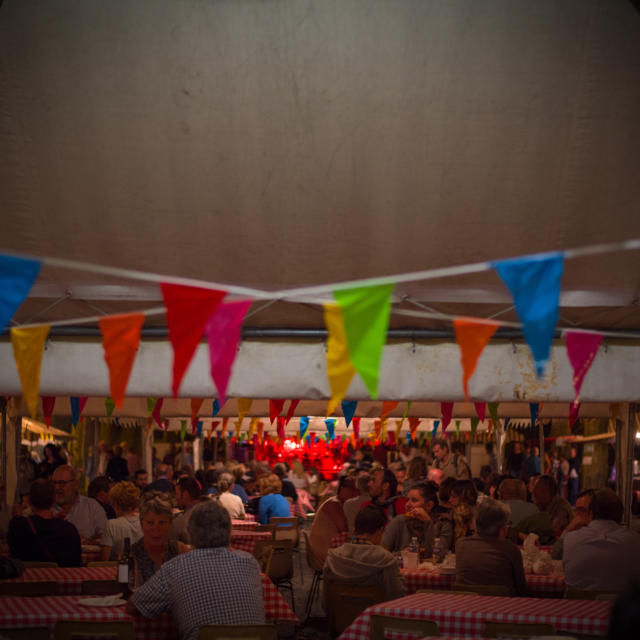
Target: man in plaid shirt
[{"x": 209, "y": 585}]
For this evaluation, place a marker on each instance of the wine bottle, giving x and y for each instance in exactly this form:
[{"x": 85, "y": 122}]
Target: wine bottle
[{"x": 124, "y": 567}]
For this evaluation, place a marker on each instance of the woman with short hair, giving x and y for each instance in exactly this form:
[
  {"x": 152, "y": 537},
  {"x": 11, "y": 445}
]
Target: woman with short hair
[
  {"x": 488, "y": 558},
  {"x": 272, "y": 503},
  {"x": 124, "y": 498},
  {"x": 155, "y": 548},
  {"x": 233, "y": 504}
]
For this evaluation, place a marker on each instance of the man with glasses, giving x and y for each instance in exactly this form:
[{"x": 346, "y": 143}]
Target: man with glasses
[
  {"x": 85, "y": 513},
  {"x": 583, "y": 516}
]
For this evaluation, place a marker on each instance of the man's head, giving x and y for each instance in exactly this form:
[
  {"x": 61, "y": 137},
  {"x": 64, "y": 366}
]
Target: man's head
[
  {"x": 435, "y": 475},
  {"x": 584, "y": 505},
  {"x": 346, "y": 488},
  {"x": 99, "y": 489},
  {"x": 141, "y": 478},
  {"x": 209, "y": 525},
  {"x": 607, "y": 506},
  {"x": 362, "y": 482},
  {"x": 163, "y": 471},
  {"x": 512, "y": 489},
  {"x": 41, "y": 494},
  {"x": 65, "y": 484},
  {"x": 440, "y": 449},
  {"x": 492, "y": 518},
  {"x": 382, "y": 484},
  {"x": 370, "y": 523},
  {"x": 187, "y": 492},
  {"x": 400, "y": 471},
  {"x": 489, "y": 447},
  {"x": 544, "y": 491}
]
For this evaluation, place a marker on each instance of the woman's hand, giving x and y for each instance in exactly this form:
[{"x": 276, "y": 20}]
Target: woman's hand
[{"x": 419, "y": 514}]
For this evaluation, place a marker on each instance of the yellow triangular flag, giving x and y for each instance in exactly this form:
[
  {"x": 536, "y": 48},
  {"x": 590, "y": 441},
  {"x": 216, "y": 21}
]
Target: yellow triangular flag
[
  {"x": 244, "y": 404},
  {"x": 383, "y": 434},
  {"x": 252, "y": 427},
  {"x": 238, "y": 424},
  {"x": 339, "y": 368},
  {"x": 28, "y": 345},
  {"x": 399, "y": 424}
]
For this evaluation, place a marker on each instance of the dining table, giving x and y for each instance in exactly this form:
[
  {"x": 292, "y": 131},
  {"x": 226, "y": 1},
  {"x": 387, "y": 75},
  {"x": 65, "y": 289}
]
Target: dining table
[
  {"x": 242, "y": 540},
  {"x": 69, "y": 581},
  {"x": 243, "y": 525},
  {"x": 466, "y": 615}
]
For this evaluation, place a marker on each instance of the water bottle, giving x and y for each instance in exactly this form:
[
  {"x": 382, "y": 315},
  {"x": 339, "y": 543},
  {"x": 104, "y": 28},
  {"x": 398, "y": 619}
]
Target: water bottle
[
  {"x": 413, "y": 545},
  {"x": 437, "y": 550},
  {"x": 412, "y": 559}
]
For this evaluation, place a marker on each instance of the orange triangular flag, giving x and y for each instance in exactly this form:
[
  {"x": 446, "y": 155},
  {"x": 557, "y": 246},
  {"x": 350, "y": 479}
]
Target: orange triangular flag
[
  {"x": 196, "y": 403},
  {"x": 472, "y": 336},
  {"x": 120, "y": 340},
  {"x": 387, "y": 408},
  {"x": 28, "y": 345}
]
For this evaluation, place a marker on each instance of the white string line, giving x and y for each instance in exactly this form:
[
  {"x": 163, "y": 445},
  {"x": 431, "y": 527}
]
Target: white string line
[{"x": 155, "y": 311}]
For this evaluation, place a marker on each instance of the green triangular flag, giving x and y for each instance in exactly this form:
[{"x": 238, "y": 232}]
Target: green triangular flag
[
  {"x": 457, "y": 428},
  {"x": 493, "y": 412},
  {"x": 406, "y": 411},
  {"x": 365, "y": 311},
  {"x": 421, "y": 444},
  {"x": 429, "y": 436},
  {"x": 183, "y": 429},
  {"x": 109, "y": 405},
  {"x": 151, "y": 405},
  {"x": 474, "y": 424}
]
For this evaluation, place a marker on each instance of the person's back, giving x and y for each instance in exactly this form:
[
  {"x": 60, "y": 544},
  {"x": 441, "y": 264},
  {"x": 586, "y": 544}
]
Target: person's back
[{"x": 603, "y": 555}]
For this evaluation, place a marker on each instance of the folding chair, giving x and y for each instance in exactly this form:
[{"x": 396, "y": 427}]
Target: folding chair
[
  {"x": 281, "y": 569},
  {"x": 245, "y": 631},
  {"x": 380, "y": 625},
  {"x": 516, "y": 630},
  {"x": 345, "y": 602},
  {"x": 287, "y": 529},
  {"x": 314, "y": 592},
  {"x": 263, "y": 556}
]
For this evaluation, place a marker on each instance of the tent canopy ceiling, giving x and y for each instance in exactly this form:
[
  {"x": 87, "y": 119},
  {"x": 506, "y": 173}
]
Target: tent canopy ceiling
[{"x": 292, "y": 143}]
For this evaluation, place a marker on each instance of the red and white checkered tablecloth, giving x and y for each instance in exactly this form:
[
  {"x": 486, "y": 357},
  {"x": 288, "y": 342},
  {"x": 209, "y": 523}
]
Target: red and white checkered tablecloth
[
  {"x": 243, "y": 525},
  {"x": 467, "y": 615},
  {"x": 249, "y": 517},
  {"x": 552, "y": 586},
  {"x": 246, "y": 540},
  {"x": 339, "y": 539},
  {"x": 69, "y": 579}
]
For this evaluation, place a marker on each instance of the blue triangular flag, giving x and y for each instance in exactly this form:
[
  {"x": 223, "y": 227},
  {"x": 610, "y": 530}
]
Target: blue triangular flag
[
  {"x": 331, "y": 427},
  {"x": 216, "y": 408},
  {"x": 408, "y": 438},
  {"x": 349, "y": 410},
  {"x": 75, "y": 410},
  {"x": 199, "y": 429},
  {"x": 534, "y": 407},
  {"x": 535, "y": 286},
  {"x": 17, "y": 276},
  {"x": 506, "y": 423},
  {"x": 436, "y": 423},
  {"x": 304, "y": 426}
]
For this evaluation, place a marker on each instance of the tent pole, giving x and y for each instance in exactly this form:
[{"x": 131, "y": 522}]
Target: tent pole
[
  {"x": 3, "y": 470},
  {"x": 625, "y": 441},
  {"x": 541, "y": 443}
]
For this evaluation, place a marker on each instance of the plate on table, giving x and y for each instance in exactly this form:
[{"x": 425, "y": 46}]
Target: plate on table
[{"x": 103, "y": 601}]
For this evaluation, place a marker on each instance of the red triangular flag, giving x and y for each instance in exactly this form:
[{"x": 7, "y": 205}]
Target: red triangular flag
[
  {"x": 447, "y": 410},
  {"x": 281, "y": 425},
  {"x": 355, "y": 422},
  {"x": 472, "y": 336},
  {"x": 275, "y": 408},
  {"x": 188, "y": 309},
  {"x": 413, "y": 427},
  {"x": 196, "y": 403},
  {"x": 120, "y": 340},
  {"x": 387, "y": 408},
  {"x": 290, "y": 412},
  {"x": 47, "y": 408},
  {"x": 582, "y": 349},
  {"x": 481, "y": 410}
]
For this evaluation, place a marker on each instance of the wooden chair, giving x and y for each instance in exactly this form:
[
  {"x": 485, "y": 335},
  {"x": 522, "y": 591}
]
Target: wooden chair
[
  {"x": 483, "y": 589},
  {"x": 287, "y": 529},
  {"x": 271, "y": 528},
  {"x": 69, "y": 629},
  {"x": 314, "y": 592},
  {"x": 264, "y": 558},
  {"x": 25, "y": 633},
  {"x": 345, "y": 602},
  {"x": 517, "y": 630},
  {"x": 103, "y": 563},
  {"x": 246, "y": 631},
  {"x": 380, "y": 625},
  {"x": 100, "y": 587},
  {"x": 583, "y": 594},
  {"x": 40, "y": 565},
  {"x": 29, "y": 589},
  {"x": 281, "y": 569}
]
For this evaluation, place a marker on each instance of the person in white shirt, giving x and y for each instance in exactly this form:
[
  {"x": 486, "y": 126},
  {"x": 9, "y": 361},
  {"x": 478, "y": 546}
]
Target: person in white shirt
[
  {"x": 232, "y": 503},
  {"x": 85, "y": 513},
  {"x": 602, "y": 555},
  {"x": 124, "y": 498}
]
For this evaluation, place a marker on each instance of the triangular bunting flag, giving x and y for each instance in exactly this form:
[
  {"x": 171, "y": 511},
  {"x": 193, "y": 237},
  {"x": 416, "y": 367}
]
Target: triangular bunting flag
[
  {"x": 17, "y": 276},
  {"x": 237, "y": 424},
  {"x": 472, "y": 336},
  {"x": 383, "y": 430},
  {"x": 446, "y": 409},
  {"x": 534, "y": 408},
  {"x": 399, "y": 424},
  {"x": 292, "y": 408},
  {"x": 188, "y": 310},
  {"x": 48, "y": 403},
  {"x": 377, "y": 425},
  {"x": 260, "y": 429},
  {"x": 331, "y": 427},
  {"x": 436, "y": 423},
  {"x": 481, "y": 408},
  {"x": 493, "y": 412},
  {"x": 155, "y": 414},
  {"x": 224, "y": 329},
  {"x": 474, "y": 424},
  {"x": 304, "y": 426},
  {"x": 215, "y": 409},
  {"x": 199, "y": 429},
  {"x": 349, "y": 410},
  {"x": 109, "y": 406},
  {"x": 280, "y": 427},
  {"x": 406, "y": 411},
  {"x": 151, "y": 403},
  {"x": 28, "y": 345},
  {"x": 252, "y": 427},
  {"x": 366, "y": 318},
  {"x": 582, "y": 349},
  {"x": 244, "y": 404},
  {"x": 413, "y": 427},
  {"x": 340, "y": 370},
  {"x": 387, "y": 408},
  {"x": 183, "y": 429},
  {"x": 225, "y": 423},
  {"x": 120, "y": 340},
  {"x": 196, "y": 403},
  {"x": 275, "y": 409},
  {"x": 534, "y": 284},
  {"x": 77, "y": 406}
]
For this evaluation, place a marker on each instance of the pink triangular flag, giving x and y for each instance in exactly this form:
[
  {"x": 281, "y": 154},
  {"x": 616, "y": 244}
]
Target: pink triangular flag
[
  {"x": 47, "y": 408},
  {"x": 481, "y": 410},
  {"x": 223, "y": 334},
  {"x": 582, "y": 349},
  {"x": 447, "y": 410},
  {"x": 290, "y": 412},
  {"x": 275, "y": 408}
]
